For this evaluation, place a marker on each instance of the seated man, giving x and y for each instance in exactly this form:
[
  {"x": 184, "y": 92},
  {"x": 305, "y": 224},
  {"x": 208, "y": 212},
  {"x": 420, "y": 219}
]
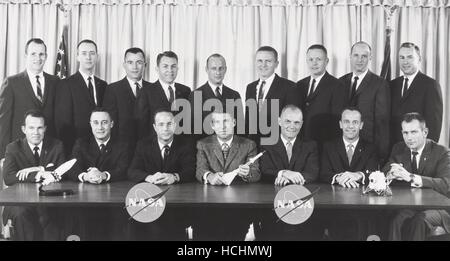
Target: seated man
[
  {"x": 291, "y": 160},
  {"x": 100, "y": 158},
  {"x": 421, "y": 163},
  {"x": 163, "y": 160},
  {"x": 346, "y": 161},
  {"x": 32, "y": 159}
]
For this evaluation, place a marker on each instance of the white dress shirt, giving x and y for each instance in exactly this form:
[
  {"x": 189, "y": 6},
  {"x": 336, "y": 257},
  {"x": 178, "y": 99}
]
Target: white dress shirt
[
  {"x": 360, "y": 78},
  {"x": 133, "y": 85},
  {"x": 32, "y": 78},
  {"x": 266, "y": 86},
  {"x": 316, "y": 83},
  {"x": 85, "y": 77}
]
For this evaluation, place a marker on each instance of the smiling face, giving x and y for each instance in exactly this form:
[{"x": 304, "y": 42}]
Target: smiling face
[
  {"x": 266, "y": 64},
  {"x": 414, "y": 134},
  {"x": 34, "y": 129},
  {"x": 35, "y": 57},
  {"x": 164, "y": 126},
  {"x": 360, "y": 57},
  {"x": 290, "y": 121},
  {"x": 223, "y": 125},
  {"x": 167, "y": 69},
  {"x": 87, "y": 57},
  {"x": 216, "y": 70},
  {"x": 409, "y": 60},
  {"x": 101, "y": 125},
  {"x": 351, "y": 124},
  {"x": 317, "y": 61},
  {"x": 134, "y": 65}
]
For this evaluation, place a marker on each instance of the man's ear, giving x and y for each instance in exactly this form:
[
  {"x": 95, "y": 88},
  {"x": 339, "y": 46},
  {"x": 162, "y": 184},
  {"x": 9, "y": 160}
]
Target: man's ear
[
  {"x": 362, "y": 124},
  {"x": 279, "y": 121},
  {"x": 112, "y": 124},
  {"x": 23, "y": 129}
]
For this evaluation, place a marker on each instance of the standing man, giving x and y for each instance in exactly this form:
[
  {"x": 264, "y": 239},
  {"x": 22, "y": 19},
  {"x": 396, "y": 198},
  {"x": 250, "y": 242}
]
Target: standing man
[
  {"x": 421, "y": 163},
  {"x": 214, "y": 88},
  {"x": 164, "y": 92},
  {"x": 322, "y": 98},
  {"x": 30, "y": 89},
  {"x": 415, "y": 92},
  {"x": 77, "y": 96},
  {"x": 121, "y": 97},
  {"x": 267, "y": 88},
  {"x": 370, "y": 94}
]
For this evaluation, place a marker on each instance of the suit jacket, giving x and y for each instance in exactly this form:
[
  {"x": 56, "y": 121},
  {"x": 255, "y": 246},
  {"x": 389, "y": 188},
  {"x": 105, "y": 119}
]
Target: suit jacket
[
  {"x": 74, "y": 109},
  {"x": 17, "y": 97},
  {"x": 120, "y": 101},
  {"x": 19, "y": 156},
  {"x": 423, "y": 96},
  {"x": 322, "y": 110},
  {"x": 434, "y": 165},
  {"x": 206, "y": 94},
  {"x": 148, "y": 160},
  {"x": 304, "y": 159},
  {"x": 335, "y": 160},
  {"x": 154, "y": 98},
  {"x": 115, "y": 160},
  {"x": 210, "y": 157},
  {"x": 372, "y": 98},
  {"x": 282, "y": 90}
]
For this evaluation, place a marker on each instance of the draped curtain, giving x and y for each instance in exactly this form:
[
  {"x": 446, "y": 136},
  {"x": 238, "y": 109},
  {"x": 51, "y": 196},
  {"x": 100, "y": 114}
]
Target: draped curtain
[{"x": 194, "y": 29}]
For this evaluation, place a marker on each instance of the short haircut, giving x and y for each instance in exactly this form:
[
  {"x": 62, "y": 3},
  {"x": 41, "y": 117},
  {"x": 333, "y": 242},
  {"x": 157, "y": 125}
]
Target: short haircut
[
  {"x": 36, "y": 41},
  {"x": 410, "y": 45},
  {"x": 361, "y": 42},
  {"x": 291, "y": 107},
  {"x": 35, "y": 114},
  {"x": 169, "y": 54},
  {"x": 134, "y": 50},
  {"x": 101, "y": 109},
  {"x": 351, "y": 108},
  {"x": 214, "y": 55},
  {"x": 410, "y": 116},
  {"x": 268, "y": 49},
  {"x": 161, "y": 110},
  {"x": 318, "y": 47},
  {"x": 87, "y": 41}
]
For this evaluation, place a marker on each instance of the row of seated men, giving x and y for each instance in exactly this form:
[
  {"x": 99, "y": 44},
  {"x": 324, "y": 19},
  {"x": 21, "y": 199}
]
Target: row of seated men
[
  {"x": 163, "y": 160},
  {"x": 133, "y": 101}
]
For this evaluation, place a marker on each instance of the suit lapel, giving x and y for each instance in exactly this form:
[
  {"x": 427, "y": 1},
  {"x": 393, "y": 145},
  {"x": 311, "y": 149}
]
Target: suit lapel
[
  {"x": 273, "y": 88},
  {"x": 364, "y": 83},
  {"x": 155, "y": 154},
  {"x": 232, "y": 153},
  {"x": 281, "y": 151},
  {"x": 29, "y": 89},
  {"x": 357, "y": 153},
  {"x": 94, "y": 150},
  {"x": 296, "y": 149},
  {"x": 405, "y": 158},
  {"x": 342, "y": 151},
  {"x": 27, "y": 151},
  {"x": 162, "y": 94},
  {"x": 218, "y": 151},
  {"x": 411, "y": 87},
  {"x": 127, "y": 89},
  {"x": 424, "y": 157},
  {"x": 84, "y": 88},
  {"x": 48, "y": 83}
]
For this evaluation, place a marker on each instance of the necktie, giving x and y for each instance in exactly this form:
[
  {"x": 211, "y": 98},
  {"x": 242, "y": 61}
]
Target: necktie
[
  {"x": 414, "y": 162},
  {"x": 311, "y": 90},
  {"x": 350, "y": 153},
  {"x": 353, "y": 90},
  {"x": 138, "y": 89},
  {"x": 289, "y": 150},
  {"x": 405, "y": 87},
  {"x": 171, "y": 95},
  {"x": 225, "y": 150},
  {"x": 166, "y": 151},
  {"x": 102, "y": 148},
  {"x": 261, "y": 92},
  {"x": 218, "y": 94},
  {"x": 36, "y": 155},
  {"x": 91, "y": 89},
  {"x": 38, "y": 88}
]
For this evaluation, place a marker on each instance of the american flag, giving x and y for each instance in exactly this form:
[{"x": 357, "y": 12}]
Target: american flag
[
  {"x": 386, "y": 67},
  {"x": 61, "y": 59}
]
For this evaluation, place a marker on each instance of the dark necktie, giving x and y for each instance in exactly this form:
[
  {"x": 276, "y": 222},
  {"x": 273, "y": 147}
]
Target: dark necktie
[
  {"x": 91, "y": 89},
  {"x": 102, "y": 148},
  {"x": 138, "y": 89},
  {"x": 405, "y": 87},
  {"x": 353, "y": 90},
  {"x": 414, "y": 162},
  {"x": 38, "y": 88},
  {"x": 225, "y": 150},
  {"x": 261, "y": 92},
  {"x": 166, "y": 151},
  {"x": 171, "y": 95},
  {"x": 36, "y": 155},
  {"x": 311, "y": 90},
  {"x": 218, "y": 94}
]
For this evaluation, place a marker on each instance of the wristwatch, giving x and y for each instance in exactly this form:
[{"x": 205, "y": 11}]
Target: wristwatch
[{"x": 412, "y": 176}]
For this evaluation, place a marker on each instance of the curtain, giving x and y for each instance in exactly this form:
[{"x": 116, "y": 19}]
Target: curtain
[{"x": 194, "y": 29}]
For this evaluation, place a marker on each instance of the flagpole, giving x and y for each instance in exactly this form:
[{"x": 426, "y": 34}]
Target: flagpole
[
  {"x": 62, "y": 66},
  {"x": 386, "y": 67}
]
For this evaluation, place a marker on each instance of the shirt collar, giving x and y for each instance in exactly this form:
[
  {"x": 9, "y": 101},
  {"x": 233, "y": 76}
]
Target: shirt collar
[
  {"x": 227, "y": 142},
  {"x": 214, "y": 86},
  {"x": 317, "y": 79},
  {"x": 161, "y": 146},
  {"x": 285, "y": 141},
  {"x": 166, "y": 85},
  {"x": 268, "y": 81},
  {"x": 85, "y": 76},
  {"x": 33, "y": 75},
  {"x": 419, "y": 151},
  {"x": 132, "y": 82},
  {"x": 411, "y": 77},
  {"x": 103, "y": 142},
  {"x": 361, "y": 76},
  {"x": 346, "y": 143},
  {"x": 32, "y": 147}
]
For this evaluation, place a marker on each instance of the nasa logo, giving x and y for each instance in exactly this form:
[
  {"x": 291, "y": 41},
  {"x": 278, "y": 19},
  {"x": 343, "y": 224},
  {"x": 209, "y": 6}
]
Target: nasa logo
[
  {"x": 293, "y": 205},
  {"x": 145, "y": 202}
]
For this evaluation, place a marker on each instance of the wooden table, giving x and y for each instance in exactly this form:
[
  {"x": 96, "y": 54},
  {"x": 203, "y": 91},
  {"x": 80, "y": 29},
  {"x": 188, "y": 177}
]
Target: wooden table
[{"x": 255, "y": 195}]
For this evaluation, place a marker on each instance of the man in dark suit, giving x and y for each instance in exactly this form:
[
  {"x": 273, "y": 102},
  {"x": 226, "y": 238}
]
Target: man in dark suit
[
  {"x": 30, "y": 89},
  {"x": 163, "y": 93},
  {"x": 77, "y": 96},
  {"x": 121, "y": 97},
  {"x": 217, "y": 157},
  {"x": 32, "y": 159},
  {"x": 415, "y": 92},
  {"x": 163, "y": 160},
  {"x": 421, "y": 163},
  {"x": 265, "y": 92},
  {"x": 348, "y": 160},
  {"x": 214, "y": 93},
  {"x": 370, "y": 94},
  {"x": 321, "y": 97}
]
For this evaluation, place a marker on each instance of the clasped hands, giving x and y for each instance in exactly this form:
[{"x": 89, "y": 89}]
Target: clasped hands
[
  {"x": 161, "y": 178},
  {"x": 288, "y": 176},
  {"x": 94, "y": 176},
  {"x": 42, "y": 175},
  {"x": 398, "y": 172},
  {"x": 216, "y": 178},
  {"x": 349, "y": 179}
]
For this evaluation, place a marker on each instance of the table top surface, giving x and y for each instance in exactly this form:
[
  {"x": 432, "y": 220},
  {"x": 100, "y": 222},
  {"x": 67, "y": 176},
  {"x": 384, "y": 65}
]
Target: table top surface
[{"x": 236, "y": 195}]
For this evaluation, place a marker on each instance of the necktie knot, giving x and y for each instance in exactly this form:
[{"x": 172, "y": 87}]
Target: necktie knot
[
  {"x": 225, "y": 150},
  {"x": 166, "y": 151},
  {"x": 414, "y": 153},
  {"x": 218, "y": 93},
  {"x": 102, "y": 148},
  {"x": 36, "y": 149},
  {"x": 36, "y": 155},
  {"x": 89, "y": 78},
  {"x": 356, "y": 78}
]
